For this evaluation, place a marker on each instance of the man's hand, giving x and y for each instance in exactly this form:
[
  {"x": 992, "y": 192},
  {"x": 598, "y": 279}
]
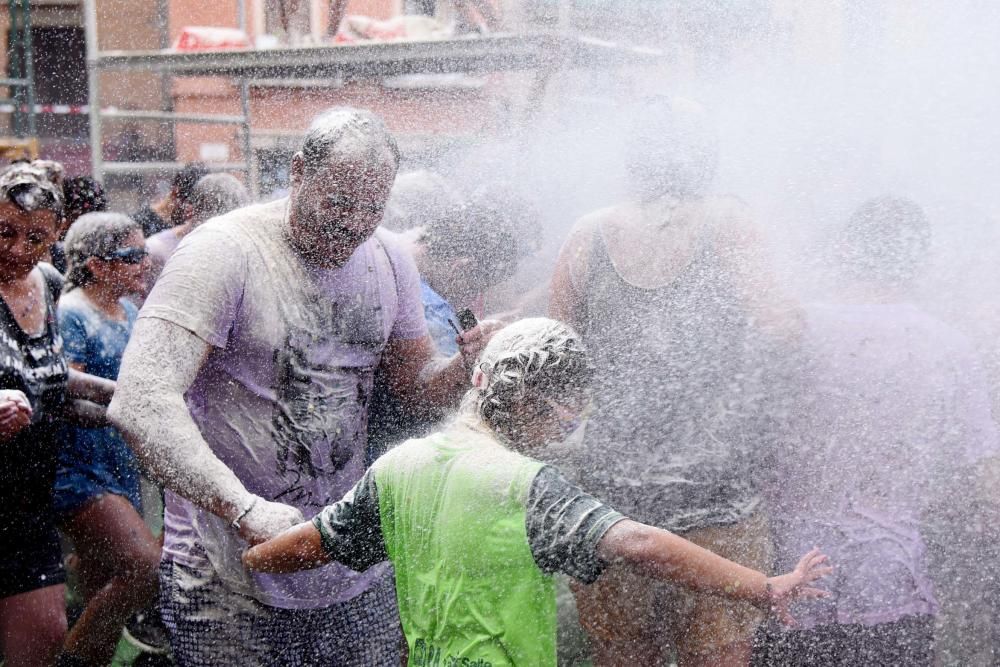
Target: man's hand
[
  {"x": 471, "y": 343},
  {"x": 267, "y": 520},
  {"x": 793, "y": 586},
  {"x": 15, "y": 413}
]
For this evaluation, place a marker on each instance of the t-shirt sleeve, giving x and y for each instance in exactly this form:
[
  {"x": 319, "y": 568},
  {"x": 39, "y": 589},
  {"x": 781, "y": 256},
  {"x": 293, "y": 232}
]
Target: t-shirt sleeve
[
  {"x": 409, "y": 323},
  {"x": 565, "y": 525},
  {"x": 201, "y": 287},
  {"x": 351, "y": 530},
  {"x": 74, "y": 336}
]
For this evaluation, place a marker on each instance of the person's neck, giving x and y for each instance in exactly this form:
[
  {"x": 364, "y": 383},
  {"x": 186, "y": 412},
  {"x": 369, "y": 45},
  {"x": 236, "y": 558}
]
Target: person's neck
[
  {"x": 16, "y": 284},
  {"x": 105, "y": 300}
]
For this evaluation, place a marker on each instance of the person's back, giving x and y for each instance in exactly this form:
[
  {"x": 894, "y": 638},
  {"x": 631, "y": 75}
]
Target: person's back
[
  {"x": 453, "y": 518},
  {"x": 891, "y": 409},
  {"x": 892, "y": 406}
]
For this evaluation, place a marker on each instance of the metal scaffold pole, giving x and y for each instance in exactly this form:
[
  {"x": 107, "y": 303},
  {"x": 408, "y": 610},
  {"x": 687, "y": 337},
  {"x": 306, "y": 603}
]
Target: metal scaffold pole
[
  {"x": 93, "y": 83},
  {"x": 245, "y": 140},
  {"x": 29, "y": 66}
]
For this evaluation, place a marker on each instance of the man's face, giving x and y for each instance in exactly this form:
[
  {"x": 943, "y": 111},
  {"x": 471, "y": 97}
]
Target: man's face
[{"x": 337, "y": 206}]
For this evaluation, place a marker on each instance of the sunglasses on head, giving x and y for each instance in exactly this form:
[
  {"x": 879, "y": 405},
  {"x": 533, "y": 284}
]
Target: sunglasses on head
[{"x": 126, "y": 255}]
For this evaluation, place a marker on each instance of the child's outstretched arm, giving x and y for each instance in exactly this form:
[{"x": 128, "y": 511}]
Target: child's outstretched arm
[
  {"x": 298, "y": 548},
  {"x": 348, "y": 532},
  {"x": 661, "y": 554}
]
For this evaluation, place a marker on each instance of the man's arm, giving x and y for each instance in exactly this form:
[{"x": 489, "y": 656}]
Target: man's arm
[
  {"x": 159, "y": 366},
  {"x": 427, "y": 383}
]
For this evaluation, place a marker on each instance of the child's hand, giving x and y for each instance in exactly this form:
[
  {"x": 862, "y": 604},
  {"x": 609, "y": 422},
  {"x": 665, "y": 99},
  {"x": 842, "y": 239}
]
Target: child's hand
[
  {"x": 794, "y": 586},
  {"x": 298, "y": 548},
  {"x": 15, "y": 413},
  {"x": 266, "y": 520}
]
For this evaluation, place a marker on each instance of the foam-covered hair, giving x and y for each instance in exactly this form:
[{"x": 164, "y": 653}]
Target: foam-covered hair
[
  {"x": 33, "y": 186},
  {"x": 93, "y": 235},
  {"x": 524, "y": 364},
  {"x": 349, "y": 130}
]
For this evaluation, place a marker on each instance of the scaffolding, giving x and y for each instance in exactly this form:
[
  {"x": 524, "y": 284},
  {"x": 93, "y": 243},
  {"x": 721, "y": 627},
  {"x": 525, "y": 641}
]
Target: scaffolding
[
  {"x": 542, "y": 53},
  {"x": 20, "y": 82}
]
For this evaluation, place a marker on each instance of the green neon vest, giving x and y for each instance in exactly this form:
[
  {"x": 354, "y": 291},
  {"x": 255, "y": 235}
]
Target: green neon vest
[{"x": 470, "y": 594}]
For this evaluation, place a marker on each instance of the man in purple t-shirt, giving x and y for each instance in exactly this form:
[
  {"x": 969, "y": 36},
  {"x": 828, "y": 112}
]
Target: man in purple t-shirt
[{"x": 244, "y": 390}]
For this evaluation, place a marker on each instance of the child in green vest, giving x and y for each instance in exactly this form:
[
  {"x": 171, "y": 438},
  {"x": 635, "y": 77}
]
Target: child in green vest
[{"x": 475, "y": 528}]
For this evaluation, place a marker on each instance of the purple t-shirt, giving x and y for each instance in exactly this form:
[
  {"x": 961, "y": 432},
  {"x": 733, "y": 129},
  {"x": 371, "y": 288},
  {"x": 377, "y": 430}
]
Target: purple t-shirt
[
  {"x": 161, "y": 245},
  {"x": 893, "y": 402},
  {"x": 282, "y": 397}
]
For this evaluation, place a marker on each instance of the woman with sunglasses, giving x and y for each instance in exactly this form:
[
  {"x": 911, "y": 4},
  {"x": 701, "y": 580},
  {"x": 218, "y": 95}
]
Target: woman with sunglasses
[
  {"x": 97, "y": 494},
  {"x": 37, "y": 392}
]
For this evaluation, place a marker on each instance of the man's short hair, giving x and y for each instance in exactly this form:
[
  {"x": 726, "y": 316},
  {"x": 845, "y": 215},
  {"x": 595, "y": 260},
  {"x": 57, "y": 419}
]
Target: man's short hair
[
  {"x": 488, "y": 235},
  {"x": 185, "y": 179},
  {"x": 83, "y": 194},
  {"x": 886, "y": 240},
  {"x": 217, "y": 194},
  {"x": 335, "y": 129}
]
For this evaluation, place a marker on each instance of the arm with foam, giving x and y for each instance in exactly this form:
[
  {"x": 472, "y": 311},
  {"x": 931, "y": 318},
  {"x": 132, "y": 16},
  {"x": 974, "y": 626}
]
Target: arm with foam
[{"x": 160, "y": 364}]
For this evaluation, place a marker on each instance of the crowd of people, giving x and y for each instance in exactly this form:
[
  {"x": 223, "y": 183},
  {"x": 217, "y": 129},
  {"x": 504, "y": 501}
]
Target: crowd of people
[{"x": 356, "y": 471}]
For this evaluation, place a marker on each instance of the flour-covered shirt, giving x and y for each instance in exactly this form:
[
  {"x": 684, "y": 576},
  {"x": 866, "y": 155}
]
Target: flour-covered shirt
[{"x": 282, "y": 398}]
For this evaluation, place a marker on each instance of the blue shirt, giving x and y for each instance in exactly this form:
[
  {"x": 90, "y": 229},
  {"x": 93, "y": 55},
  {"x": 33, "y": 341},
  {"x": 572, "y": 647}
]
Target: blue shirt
[
  {"x": 438, "y": 313},
  {"x": 94, "y": 461}
]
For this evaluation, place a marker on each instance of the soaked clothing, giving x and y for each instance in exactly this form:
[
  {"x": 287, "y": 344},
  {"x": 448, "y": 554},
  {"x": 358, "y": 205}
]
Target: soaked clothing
[
  {"x": 34, "y": 364},
  {"x": 563, "y": 526},
  {"x": 282, "y": 398},
  {"x": 677, "y": 393},
  {"x": 473, "y": 530},
  {"x": 893, "y": 405},
  {"x": 94, "y": 461},
  {"x": 210, "y": 625}
]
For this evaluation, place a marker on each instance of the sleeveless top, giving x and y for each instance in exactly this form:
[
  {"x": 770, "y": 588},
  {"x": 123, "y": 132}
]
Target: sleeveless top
[
  {"x": 453, "y": 518},
  {"x": 669, "y": 442},
  {"x": 35, "y": 365}
]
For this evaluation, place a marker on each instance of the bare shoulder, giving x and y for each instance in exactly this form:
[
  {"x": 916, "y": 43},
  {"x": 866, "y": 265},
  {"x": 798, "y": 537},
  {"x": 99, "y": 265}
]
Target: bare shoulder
[{"x": 592, "y": 222}]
